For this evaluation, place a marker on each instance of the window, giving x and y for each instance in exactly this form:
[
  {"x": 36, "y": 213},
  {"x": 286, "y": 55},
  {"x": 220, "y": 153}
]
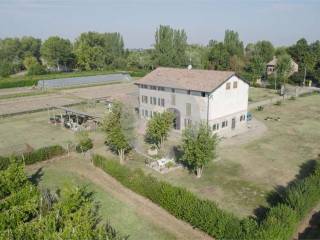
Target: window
[
  {"x": 235, "y": 84},
  {"x": 154, "y": 101},
  {"x": 144, "y": 99},
  {"x": 162, "y": 102},
  {"x": 173, "y": 90},
  {"x": 160, "y": 88},
  {"x": 215, "y": 127},
  {"x": 146, "y": 113},
  {"x": 203, "y": 94},
  {"x": 224, "y": 124},
  {"x": 159, "y": 102},
  {"x": 242, "y": 118},
  {"x": 153, "y": 87},
  {"x": 173, "y": 99},
  {"x": 188, "y": 109},
  {"x": 228, "y": 86},
  {"x": 187, "y": 122},
  {"x": 188, "y": 92}
]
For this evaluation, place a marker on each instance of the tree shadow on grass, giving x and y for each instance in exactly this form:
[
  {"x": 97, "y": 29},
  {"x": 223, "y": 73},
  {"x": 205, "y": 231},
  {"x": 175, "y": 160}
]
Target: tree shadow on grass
[
  {"x": 313, "y": 230},
  {"x": 277, "y": 195},
  {"x": 36, "y": 177}
]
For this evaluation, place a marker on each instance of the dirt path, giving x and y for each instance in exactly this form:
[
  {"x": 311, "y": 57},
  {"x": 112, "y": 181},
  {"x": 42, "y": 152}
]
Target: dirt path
[{"x": 144, "y": 207}]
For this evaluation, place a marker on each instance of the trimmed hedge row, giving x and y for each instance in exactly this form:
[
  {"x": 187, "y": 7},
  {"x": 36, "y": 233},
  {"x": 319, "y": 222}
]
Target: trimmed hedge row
[
  {"x": 37, "y": 155},
  {"x": 280, "y": 221},
  {"x": 202, "y": 214}
]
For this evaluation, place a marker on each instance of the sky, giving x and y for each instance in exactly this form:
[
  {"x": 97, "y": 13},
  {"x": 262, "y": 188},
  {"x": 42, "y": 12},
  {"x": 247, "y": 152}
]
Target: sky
[{"x": 281, "y": 22}]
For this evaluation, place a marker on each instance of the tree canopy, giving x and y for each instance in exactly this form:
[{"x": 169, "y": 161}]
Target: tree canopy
[{"x": 199, "y": 147}]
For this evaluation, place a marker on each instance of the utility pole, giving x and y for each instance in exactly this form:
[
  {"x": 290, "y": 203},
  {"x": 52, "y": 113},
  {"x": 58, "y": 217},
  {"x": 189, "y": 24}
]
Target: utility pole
[{"x": 304, "y": 78}]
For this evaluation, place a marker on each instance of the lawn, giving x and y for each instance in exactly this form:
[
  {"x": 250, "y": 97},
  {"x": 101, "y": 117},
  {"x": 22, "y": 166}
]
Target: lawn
[
  {"x": 119, "y": 214},
  {"x": 242, "y": 175},
  {"x": 32, "y": 129},
  {"x": 260, "y": 94}
]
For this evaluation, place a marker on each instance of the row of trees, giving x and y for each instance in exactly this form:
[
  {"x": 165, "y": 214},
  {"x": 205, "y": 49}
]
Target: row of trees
[
  {"x": 90, "y": 51},
  {"x": 96, "y": 51}
]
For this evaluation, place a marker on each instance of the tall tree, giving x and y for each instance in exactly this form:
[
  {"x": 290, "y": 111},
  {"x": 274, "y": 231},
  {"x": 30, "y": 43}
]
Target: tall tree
[
  {"x": 233, "y": 43},
  {"x": 158, "y": 128},
  {"x": 265, "y": 50},
  {"x": 170, "y": 46},
  {"x": 57, "y": 51},
  {"x": 118, "y": 126},
  {"x": 30, "y": 46},
  {"x": 199, "y": 147},
  {"x": 218, "y": 56},
  {"x": 283, "y": 67},
  {"x": 95, "y": 50}
]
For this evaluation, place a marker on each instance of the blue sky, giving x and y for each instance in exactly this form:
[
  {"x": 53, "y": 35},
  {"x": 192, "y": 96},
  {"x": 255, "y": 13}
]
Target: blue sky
[{"x": 281, "y": 22}]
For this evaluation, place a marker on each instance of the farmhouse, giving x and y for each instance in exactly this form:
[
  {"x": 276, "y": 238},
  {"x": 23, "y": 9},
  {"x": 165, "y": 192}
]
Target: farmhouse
[
  {"x": 271, "y": 66},
  {"x": 219, "y": 98}
]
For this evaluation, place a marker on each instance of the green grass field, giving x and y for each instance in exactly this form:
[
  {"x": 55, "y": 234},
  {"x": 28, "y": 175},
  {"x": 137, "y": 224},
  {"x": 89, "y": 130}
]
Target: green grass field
[
  {"x": 120, "y": 215},
  {"x": 32, "y": 129},
  {"x": 260, "y": 94},
  {"x": 242, "y": 175}
]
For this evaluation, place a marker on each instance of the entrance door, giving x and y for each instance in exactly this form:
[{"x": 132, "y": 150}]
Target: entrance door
[{"x": 233, "y": 124}]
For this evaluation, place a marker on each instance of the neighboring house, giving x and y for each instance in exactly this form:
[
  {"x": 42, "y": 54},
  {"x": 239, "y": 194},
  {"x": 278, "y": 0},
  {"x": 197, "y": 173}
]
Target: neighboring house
[
  {"x": 218, "y": 98},
  {"x": 271, "y": 66}
]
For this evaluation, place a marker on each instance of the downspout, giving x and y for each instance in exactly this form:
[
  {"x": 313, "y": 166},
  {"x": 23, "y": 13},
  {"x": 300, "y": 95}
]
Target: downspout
[{"x": 208, "y": 111}]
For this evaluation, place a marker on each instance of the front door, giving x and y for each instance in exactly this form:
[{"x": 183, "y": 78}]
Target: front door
[{"x": 233, "y": 124}]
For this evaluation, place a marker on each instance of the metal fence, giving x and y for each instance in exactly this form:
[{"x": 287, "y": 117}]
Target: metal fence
[{"x": 78, "y": 81}]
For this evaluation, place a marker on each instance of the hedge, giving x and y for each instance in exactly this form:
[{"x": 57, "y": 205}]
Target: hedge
[
  {"x": 280, "y": 221},
  {"x": 34, "y": 156}
]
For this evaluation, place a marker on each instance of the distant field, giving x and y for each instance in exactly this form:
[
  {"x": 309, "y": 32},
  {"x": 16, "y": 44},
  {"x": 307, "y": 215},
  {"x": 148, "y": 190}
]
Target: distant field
[
  {"x": 24, "y": 81},
  {"x": 242, "y": 176}
]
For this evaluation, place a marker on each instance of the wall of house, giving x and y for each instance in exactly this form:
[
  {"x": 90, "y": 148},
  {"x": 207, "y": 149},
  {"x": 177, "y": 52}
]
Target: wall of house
[
  {"x": 224, "y": 105},
  {"x": 227, "y": 104},
  {"x": 182, "y": 98}
]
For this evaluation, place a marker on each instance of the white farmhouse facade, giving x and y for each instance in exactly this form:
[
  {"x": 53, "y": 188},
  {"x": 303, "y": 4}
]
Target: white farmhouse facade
[{"x": 218, "y": 98}]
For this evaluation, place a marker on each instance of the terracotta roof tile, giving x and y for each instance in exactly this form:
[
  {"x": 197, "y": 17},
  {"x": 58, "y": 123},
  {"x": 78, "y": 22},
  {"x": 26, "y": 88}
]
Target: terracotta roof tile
[{"x": 196, "y": 80}]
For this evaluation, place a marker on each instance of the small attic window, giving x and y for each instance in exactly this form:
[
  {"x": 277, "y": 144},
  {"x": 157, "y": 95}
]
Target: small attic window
[{"x": 203, "y": 94}]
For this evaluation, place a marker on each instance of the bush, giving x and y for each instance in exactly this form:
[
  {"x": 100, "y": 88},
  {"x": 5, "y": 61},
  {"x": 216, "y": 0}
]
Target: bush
[
  {"x": 278, "y": 103},
  {"x": 38, "y": 155},
  {"x": 84, "y": 146},
  {"x": 260, "y": 108},
  {"x": 36, "y": 69},
  {"x": 292, "y": 98},
  {"x": 202, "y": 214},
  {"x": 6, "y": 69}
]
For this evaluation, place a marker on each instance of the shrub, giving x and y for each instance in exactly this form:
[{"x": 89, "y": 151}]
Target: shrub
[
  {"x": 260, "y": 108},
  {"x": 292, "y": 98},
  {"x": 278, "y": 103},
  {"x": 84, "y": 146},
  {"x": 38, "y": 155},
  {"x": 36, "y": 69},
  {"x": 6, "y": 69}
]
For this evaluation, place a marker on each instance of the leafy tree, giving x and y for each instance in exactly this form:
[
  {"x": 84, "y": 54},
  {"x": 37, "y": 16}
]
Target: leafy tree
[
  {"x": 199, "y": 147},
  {"x": 97, "y": 50},
  {"x": 236, "y": 63},
  {"x": 57, "y": 51},
  {"x": 118, "y": 126},
  {"x": 158, "y": 128},
  {"x": 6, "y": 69},
  {"x": 170, "y": 46},
  {"x": 255, "y": 68},
  {"x": 218, "y": 56},
  {"x": 29, "y": 61},
  {"x": 197, "y": 56},
  {"x": 283, "y": 67},
  {"x": 30, "y": 46},
  {"x": 265, "y": 50},
  {"x": 233, "y": 44}
]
